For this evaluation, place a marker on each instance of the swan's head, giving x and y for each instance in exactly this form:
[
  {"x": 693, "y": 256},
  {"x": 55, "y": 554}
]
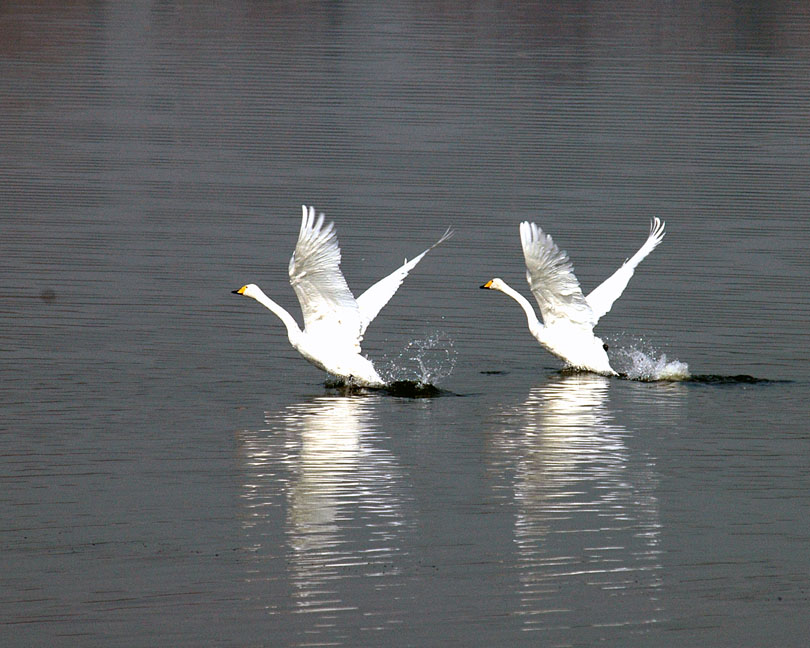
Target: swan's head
[
  {"x": 494, "y": 284},
  {"x": 251, "y": 290}
]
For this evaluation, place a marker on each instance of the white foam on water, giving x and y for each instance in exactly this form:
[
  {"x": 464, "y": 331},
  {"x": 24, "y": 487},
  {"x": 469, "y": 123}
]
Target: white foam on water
[{"x": 648, "y": 364}]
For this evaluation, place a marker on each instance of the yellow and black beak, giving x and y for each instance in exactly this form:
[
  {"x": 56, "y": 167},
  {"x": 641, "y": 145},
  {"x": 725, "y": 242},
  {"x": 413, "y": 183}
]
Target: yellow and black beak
[
  {"x": 241, "y": 291},
  {"x": 488, "y": 284}
]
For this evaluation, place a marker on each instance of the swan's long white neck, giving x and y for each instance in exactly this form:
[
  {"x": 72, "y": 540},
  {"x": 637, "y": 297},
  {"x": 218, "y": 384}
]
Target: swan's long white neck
[
  {"x": 535, "y": 326},
  {"x": 293, "y": 330}
]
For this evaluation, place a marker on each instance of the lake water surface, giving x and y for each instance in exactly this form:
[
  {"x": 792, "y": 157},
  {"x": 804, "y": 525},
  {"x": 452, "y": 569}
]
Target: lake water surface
[{"x": 174, "y": 474}]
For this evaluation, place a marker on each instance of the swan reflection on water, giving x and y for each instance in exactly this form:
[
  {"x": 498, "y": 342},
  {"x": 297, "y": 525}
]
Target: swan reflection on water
[
  {"x": 587, "y": 522},
  {"x": 342, "y": 499}
]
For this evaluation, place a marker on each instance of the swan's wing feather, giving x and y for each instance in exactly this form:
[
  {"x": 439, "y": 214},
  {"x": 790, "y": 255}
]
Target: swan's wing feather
[
  {"x": 372, "y": 300},
  {"x": 326, "y": 301},
  {"x": 551, "y": 278},
  {"x": 602, "y": 297}
]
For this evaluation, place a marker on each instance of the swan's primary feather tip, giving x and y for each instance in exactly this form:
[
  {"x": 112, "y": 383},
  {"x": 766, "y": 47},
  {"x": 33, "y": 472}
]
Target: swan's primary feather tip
[{"x": 657, "y": 228}]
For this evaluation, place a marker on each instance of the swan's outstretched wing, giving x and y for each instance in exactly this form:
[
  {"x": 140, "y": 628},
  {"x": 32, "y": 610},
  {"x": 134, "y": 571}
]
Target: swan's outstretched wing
[
  {"x": 378, "y": 295},
  {"x": 602, "y": 297},
  {"x": 326, "y": 302},
  {"x": 551, "y": 278}
]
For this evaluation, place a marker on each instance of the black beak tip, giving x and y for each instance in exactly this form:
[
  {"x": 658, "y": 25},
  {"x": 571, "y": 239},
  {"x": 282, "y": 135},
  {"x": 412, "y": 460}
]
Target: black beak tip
[
  {"x": 484, "y": 286},
  {"x": 235, "y": 292}
]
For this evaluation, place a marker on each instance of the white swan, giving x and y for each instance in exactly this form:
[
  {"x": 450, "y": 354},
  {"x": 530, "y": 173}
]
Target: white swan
[
  {"x": 568, "y": 316},
  {"x": 334, "y": 321}
]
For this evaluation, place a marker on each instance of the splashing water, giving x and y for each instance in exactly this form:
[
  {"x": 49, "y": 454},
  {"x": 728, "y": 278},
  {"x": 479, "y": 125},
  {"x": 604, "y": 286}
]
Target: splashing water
[
  {"x": 425, "y": 361},
  {"x": 641, "y": 364}
]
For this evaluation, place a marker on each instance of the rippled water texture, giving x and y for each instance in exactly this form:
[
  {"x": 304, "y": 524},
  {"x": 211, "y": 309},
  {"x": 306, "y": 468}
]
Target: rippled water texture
[{"x": 174, "y": 474}]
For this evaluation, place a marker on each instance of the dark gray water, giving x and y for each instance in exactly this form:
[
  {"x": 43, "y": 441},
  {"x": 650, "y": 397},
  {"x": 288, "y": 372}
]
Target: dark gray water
[{"x": 174, "y": 474}]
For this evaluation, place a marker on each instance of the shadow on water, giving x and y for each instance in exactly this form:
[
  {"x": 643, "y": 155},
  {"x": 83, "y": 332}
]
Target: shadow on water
[
  {"x": 401, "y": 388},
  {"x": 739, "y": 379},
  {"x": 707, "y": 379},
  {"x": 701, "y": 379}
]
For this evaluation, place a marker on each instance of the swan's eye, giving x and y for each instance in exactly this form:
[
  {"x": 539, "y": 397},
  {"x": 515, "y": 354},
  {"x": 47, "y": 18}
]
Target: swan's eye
[{"x": 605, "y": 346}]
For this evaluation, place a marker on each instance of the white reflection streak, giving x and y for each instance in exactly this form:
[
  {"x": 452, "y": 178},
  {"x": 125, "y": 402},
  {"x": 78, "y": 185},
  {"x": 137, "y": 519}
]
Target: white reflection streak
[
  {"x": 326, "y": 468},
  {"x": 343, "y": 503},
  {"x": 584, "y": 516},
  {"x": 342, "y": 515}
]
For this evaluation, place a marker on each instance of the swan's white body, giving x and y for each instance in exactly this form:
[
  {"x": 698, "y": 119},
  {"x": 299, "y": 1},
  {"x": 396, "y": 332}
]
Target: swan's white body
[
  {"x": 334, "y": 321},
  {"x": 568, "y": 316}
]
